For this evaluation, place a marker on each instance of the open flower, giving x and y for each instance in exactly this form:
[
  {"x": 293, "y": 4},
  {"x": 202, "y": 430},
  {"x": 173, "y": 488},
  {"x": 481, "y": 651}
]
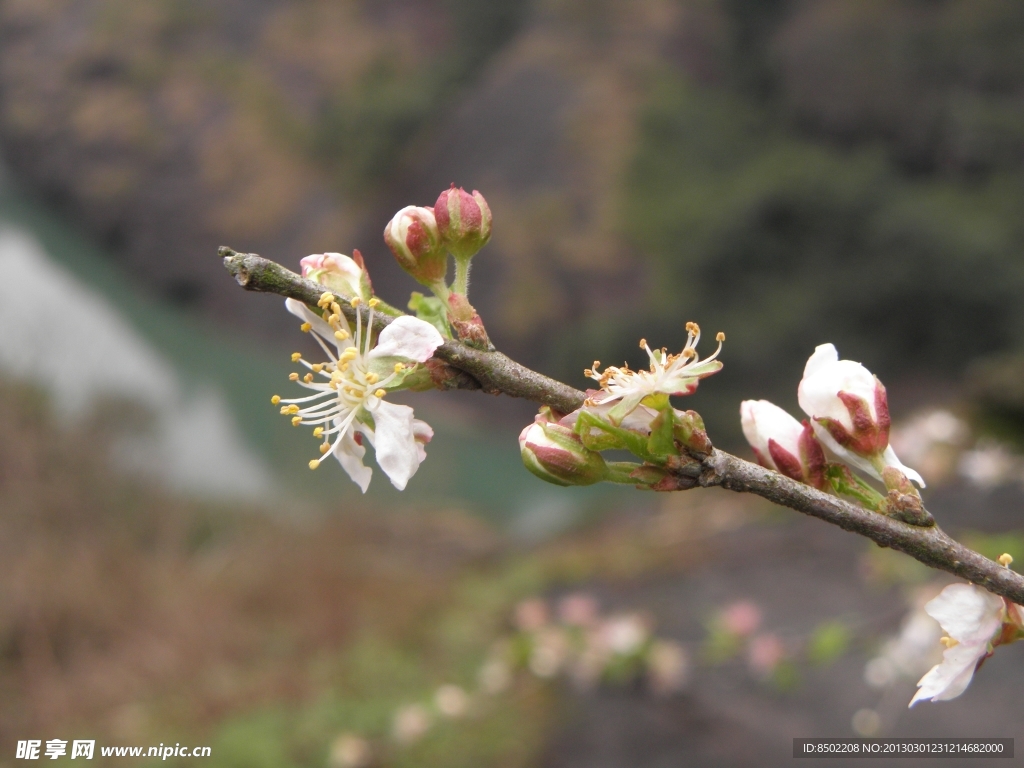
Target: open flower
[
  {"x": 849, "y": 412},
  {"x": 347, "y": 403},
  {"x": 669, "y": 375},
  {"x": 782, "y": 443},
  {"x": 973, "y": 619}
]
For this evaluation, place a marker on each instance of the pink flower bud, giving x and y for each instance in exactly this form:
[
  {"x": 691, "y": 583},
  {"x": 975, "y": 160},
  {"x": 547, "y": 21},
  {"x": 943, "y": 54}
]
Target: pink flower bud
[
  {"x": 463, "y": 220},
  {"x": 413, "y": 237},
  {"x": 556, "y": 454},
  {"x": 782, "y": 443},
  {"x": 342, "y": 274},
  {"x": 849, "y": 412}
]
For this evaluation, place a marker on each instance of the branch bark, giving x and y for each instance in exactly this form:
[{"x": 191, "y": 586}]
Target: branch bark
[{"x": 463, "y": 367}]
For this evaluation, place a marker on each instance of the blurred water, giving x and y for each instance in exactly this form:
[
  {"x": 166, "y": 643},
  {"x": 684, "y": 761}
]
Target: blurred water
[{"x": 70, "y": 341}]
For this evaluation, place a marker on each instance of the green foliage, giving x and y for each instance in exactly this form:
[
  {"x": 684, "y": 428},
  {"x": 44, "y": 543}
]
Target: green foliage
[
  {"x": 365, "y": 132},
  {"x": 785, "y": 243},
  {"x": 994, "y": 545},
  {"x": 828, "y": 642}
]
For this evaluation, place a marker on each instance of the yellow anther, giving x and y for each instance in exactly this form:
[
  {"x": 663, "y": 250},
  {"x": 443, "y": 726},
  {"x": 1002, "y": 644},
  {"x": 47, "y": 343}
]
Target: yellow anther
[
  {"x": 372, "y": 378},
  {"x": 296, "y": 420},
  {"x": 949, "y": 642},
  {"x": 350, "y": 353},
  {"x": 317, "y": 367},
  {"x": 275, "y": 400},
  {"x": 286, "y": 410},
  {"x": 720, "y": 336},
  {"x": 689, "y": 352},
  {"x": 1005, "y": 559},
  {"x": 318, "y": 432},
  {"x": 325, "y": 447},
  {"x": 305, "y": 327},
  {"x": 356, "y": 301},
  {"x": 596, "y": 364},
  {"x": 643, "y": 343},
  {"x": 380, "y": 393},
  {"x": 326, "y": 297},
  {"x": 314, "y": 463},
  {"x": 308, "y": 378},
  {"x": 692, "y": 327},
  {"x": 340, "y": 335},
  {"x": 373, "y": 302},
  {"x": 296, "y": 356},
  {"x": 334, "y": 385},
  {"x": 343, "y": 367},
  {"x": 399, "y": 367},
  {"x": 293, "y": 376},
  {"x": 336, "y": 309},
  {"x": 293, "y": 408}
]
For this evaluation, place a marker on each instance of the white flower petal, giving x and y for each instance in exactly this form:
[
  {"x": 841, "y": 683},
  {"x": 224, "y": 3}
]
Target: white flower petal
[
  {"x": 307, "y": 315},
  {"x": 423, "y": 434},
  {"x": 817, "y": 392},
  {"x": 398, "y": 453},
  {"x": 950, "y": 678},
  {"x": 350, "y": 455},
  {"x": 824, "y": 354},
  {"x": 969, "y": 614},
  {"x": 409, "y": 338}
]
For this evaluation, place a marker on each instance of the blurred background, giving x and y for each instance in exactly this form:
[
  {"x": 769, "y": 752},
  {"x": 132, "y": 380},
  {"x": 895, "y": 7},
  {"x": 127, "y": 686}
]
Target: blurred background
[{"x": 788, "y": 172}]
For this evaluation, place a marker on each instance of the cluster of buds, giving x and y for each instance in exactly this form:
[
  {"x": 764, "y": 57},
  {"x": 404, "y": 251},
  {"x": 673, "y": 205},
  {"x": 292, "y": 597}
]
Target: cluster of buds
[
  {"x": 847, "y": 415},
  {"x": 421, "y": 239},
  {"x": 631, "y": 411}
]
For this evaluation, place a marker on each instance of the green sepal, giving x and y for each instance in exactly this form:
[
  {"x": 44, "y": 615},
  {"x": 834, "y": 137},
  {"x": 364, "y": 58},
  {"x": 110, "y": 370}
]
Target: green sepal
[
  {"x": 612, "y": 437},
  {"x": 432, "y": 310},
  {"x": 845, "y": 483},
  {"x": 661, "y": 444},
  {"x": 622, "y": 472}
]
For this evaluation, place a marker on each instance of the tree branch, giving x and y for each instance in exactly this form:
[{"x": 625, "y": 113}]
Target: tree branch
[{"x": 459, "y": 366}]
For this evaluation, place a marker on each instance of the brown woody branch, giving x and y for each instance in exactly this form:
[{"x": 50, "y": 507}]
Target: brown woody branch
[{"x": 459, "y": 366}]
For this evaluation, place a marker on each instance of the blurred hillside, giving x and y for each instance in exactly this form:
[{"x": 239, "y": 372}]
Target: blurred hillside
[{"x": 789, "y": 172}]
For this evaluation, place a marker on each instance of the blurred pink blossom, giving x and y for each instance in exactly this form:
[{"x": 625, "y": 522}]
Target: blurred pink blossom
[
  {"x": 764, "y": 654},
  {"x": 741, "y": 618}
]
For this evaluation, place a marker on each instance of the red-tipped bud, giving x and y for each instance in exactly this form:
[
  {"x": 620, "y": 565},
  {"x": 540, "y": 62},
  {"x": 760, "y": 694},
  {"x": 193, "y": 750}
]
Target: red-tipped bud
[
  {"x": 782, "y": 443},
  {"x": 849, "y": 412},
  {"x": 344, "y": 275},
  {"x": 463, "y": 220},
  {"x": 555, "y": 453},
  {"x": 413, "y": 237}
]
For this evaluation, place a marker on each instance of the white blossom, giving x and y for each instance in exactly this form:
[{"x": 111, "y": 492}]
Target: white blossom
[
  {"x": 347, "y": 404},
  {"x": 972, "y": 617},
  {"x": 669, "y": 375}
]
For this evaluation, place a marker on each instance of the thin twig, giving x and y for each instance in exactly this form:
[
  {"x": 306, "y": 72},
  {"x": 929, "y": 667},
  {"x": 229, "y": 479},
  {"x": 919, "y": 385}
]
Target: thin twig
[{"x": 466, "y": 368}]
